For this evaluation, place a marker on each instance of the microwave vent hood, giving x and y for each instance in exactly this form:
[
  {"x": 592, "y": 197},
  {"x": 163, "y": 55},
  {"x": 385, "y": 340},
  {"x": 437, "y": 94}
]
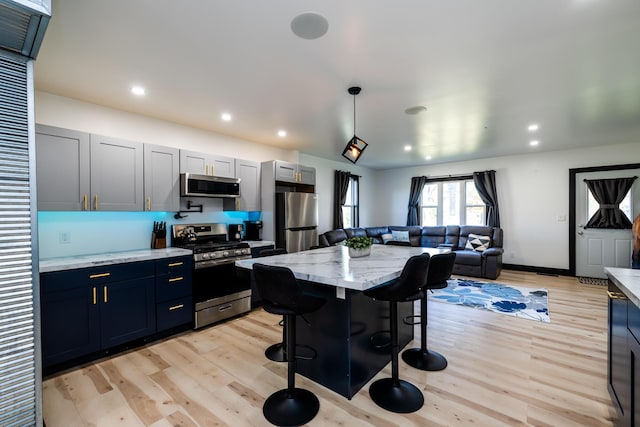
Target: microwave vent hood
[
  {"x": 23, "y": 24},
  {"x": 208, "y": 186}
]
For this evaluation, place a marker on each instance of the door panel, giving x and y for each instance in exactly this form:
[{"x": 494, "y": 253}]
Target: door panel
[{"x": 599, "y": 248}]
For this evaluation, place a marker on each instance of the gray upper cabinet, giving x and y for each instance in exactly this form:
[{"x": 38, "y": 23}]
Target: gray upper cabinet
[
  {"x": 116, "y": 174},
  {"x": 307, "y": 175},
  {"x": 62, "y": 165},
  {"x": 206, "y": 164},
  {"x": 161, "y": 178},
  {"x": 294, "y": 173},
  {"x": 249, "y": 174}
]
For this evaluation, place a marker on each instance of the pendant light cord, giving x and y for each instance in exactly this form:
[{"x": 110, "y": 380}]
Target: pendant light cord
[{"x": 354, "y": 115}]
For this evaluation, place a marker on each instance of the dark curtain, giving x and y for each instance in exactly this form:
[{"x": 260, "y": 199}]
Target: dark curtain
[
  {"x": 341, "y": 184},
  {"x": 609, "y": 193},
  {"x": 486, "y": 185},
  {"x": 417, "y": 184}
]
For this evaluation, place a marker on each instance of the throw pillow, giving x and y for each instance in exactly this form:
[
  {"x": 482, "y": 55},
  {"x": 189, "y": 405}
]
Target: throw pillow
[
  {"x": 478, "y": 242},
  {"x": 386, "y": 237},
  {"x": 400, "y": 236}
]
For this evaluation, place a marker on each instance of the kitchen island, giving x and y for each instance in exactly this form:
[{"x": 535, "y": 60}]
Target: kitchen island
[
  {"x": 350, "y": 333},
  {"x": 624, "y": 343}
]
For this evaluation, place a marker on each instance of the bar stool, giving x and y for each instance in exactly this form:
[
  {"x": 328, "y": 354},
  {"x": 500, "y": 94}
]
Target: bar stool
[
  {"x": 276, "y": 352},
  {"x": 394, "y": 394},
  {"x": 440, "y": 268},
  {"x": 282, "y": 295}
]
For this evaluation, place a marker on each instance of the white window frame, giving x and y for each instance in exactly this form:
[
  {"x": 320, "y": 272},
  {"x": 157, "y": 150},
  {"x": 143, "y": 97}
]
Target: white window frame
[
  {"x": 354, "y": 187},
  {"x": 463, "y": 202}
]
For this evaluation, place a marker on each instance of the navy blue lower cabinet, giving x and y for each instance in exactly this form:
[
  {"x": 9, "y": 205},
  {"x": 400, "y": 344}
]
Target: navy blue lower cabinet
[
  {"x": 127, "y": 311},
  {"x": 87, "y": 310},
  {"x": 174, "y": 313},
  {"x": 70, "y": 322},
  {"x": 174, "y": 302}
]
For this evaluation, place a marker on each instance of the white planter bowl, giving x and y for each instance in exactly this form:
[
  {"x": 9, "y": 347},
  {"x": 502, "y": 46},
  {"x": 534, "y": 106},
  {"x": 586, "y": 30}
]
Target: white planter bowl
[{"x": 358, "y": 253}]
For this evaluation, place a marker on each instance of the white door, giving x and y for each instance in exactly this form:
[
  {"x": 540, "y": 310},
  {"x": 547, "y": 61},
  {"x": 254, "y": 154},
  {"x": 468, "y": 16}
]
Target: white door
[{"x": 599, "y": 248}]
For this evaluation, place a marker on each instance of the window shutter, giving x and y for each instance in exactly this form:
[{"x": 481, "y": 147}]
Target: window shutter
[{"x": 17, "y": 334}]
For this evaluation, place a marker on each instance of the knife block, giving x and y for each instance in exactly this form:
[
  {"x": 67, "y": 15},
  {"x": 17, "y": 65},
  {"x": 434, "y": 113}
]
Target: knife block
[{"x": 158, "y": 242}]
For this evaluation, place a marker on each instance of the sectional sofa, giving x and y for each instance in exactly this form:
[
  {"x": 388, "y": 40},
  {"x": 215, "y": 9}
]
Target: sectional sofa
[{"x": 478, "y": 248}]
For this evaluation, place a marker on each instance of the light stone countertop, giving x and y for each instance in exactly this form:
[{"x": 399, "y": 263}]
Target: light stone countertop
[
  {"x": 83, "y": 261},
  {"x": 628, "y": 280},
  {"x": 333, "y": 266}
]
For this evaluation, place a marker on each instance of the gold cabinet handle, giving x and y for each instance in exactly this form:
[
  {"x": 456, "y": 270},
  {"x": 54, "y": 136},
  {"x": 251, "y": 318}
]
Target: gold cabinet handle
[
  {"x": 176, "y": 264},
  {"x": 104, "y": 291},
  {"x": 99, "y": 275},
  {"x": 206, "y": 169},
  {"x": 616, "y": 295},
  {"x": 95, "y": 202},
  {"x": 148, "y": 203},
  {"x": 85, "y": 202},
  {"x": 176, "y": 279},
  {"x": 95, "y": 296},
  {"x": 176, "y": 307},
  {"x": 212, "y": 173}
]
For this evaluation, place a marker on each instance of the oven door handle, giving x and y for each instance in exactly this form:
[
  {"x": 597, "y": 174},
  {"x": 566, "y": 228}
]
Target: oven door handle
[{"x": 215, "y": 262}]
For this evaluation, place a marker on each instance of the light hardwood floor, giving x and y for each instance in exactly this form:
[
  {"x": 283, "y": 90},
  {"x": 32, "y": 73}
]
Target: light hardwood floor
[{"x": 503, "y": 371}]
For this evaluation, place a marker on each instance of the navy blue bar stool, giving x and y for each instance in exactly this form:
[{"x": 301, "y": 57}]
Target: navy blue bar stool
[
  {"x": 394, "y": 394},
  {"x": 440, "y": 268},
  {"x": 277, "y": 351},
  {"x": 281, "y": 294}
]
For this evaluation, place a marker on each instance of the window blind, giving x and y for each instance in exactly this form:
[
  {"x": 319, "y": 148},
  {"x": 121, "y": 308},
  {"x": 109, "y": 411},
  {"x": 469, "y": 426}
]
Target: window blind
[{"x": 17, "y": 334}]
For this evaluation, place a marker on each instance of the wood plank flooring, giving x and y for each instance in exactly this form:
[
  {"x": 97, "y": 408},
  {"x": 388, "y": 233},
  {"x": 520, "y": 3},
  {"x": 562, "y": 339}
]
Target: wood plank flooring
[{"x": 503, "y": 371}]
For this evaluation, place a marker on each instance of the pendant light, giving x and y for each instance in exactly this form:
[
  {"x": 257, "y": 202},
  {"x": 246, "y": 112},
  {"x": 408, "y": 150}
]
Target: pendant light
[{"x": 355, "y": 146}]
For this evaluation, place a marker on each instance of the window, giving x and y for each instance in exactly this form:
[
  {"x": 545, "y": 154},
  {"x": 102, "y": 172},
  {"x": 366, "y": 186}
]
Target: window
[
  {"x": 593, "y": 205},
  {"x": 451, "y": 202},
  {"x": 350, "y": 210}
]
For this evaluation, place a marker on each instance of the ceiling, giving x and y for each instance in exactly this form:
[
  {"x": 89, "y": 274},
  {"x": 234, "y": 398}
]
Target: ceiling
[{"x": 484, "y": 70}]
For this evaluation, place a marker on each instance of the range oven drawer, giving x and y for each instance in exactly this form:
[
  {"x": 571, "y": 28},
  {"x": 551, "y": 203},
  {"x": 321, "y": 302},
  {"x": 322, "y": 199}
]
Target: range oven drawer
[{"x": 224, "y": 309}]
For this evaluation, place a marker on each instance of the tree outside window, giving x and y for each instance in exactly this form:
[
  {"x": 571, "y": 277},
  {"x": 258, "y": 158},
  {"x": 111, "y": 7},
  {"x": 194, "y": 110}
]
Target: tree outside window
[{"x": 451, "y": 202}]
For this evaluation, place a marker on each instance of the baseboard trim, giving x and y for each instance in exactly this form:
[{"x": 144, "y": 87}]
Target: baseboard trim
[{"x": 539, "y": 270}]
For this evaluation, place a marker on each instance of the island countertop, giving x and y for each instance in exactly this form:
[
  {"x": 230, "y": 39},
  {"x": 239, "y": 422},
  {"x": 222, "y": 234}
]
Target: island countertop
[
  {"x": 82, "y": 261},
  {"x": 628, "y": 280},
  {"x": 333, "y": 266}
]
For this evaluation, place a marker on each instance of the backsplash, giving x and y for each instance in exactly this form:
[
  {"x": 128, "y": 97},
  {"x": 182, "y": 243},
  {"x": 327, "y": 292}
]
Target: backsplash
[{"x": 62, "y": 234}]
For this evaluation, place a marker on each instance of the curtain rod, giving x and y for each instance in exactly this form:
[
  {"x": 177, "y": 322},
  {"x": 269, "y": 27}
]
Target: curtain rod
[{"x": 587, "y": 180}]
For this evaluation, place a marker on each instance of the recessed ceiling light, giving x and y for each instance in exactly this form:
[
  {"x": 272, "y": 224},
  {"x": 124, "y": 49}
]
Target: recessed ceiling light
[
  {"x": 282, "y": 133},
  {"x": 533, "y": 127},
  {"x": 407, "y": 148},
  {"x": 534, "y": 143},
  {"x": 309, "y": 25},
  {"x": 225, "y": 117},
  {"x": 138, "y": 90},
  {"x": 415, "y": 110},
  {"x": 427, "y": 158}
]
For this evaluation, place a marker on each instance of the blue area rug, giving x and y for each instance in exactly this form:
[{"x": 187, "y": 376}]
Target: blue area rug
[{"x": 518, "y": 301}]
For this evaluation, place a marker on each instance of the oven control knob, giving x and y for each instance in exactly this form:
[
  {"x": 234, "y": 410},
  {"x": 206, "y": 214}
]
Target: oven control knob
[
  {"x": 206, "y": 256},
  {"x": 225, "y": 253}
]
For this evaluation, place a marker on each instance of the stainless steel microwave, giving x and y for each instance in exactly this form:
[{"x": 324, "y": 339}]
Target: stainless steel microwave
[{"x": 209, "y": 186}]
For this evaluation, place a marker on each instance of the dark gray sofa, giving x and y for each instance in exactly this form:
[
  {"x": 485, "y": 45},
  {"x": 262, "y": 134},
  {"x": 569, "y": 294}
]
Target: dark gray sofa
[{"x": 486, "y": 264}]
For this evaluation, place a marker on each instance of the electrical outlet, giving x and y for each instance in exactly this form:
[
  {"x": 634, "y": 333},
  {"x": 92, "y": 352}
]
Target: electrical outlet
[{"x": 64, "y": 237}]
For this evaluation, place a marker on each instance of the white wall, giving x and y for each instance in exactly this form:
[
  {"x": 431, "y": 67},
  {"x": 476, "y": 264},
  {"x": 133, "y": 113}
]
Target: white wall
[
  {"x": 533, "y": 194},
  {"x": 533, "y": 189}
]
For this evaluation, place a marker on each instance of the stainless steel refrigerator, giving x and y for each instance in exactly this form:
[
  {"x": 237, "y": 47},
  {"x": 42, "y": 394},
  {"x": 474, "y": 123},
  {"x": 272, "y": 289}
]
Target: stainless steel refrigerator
[{"x": 296, "y": 221}]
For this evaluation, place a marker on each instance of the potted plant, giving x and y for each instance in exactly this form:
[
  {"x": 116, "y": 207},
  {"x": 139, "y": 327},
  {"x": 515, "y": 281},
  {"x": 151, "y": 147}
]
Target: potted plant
[{"x": 359, "y": 246}]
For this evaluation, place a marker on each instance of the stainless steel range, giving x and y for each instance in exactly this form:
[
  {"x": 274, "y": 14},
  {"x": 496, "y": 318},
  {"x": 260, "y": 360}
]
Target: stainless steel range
[{"x": 218, "y": 292}]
